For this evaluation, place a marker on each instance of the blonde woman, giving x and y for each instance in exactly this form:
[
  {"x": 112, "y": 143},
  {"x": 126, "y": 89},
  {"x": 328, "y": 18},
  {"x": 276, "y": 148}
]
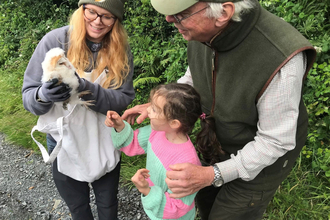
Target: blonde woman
[{"x": 96, "y": 44}]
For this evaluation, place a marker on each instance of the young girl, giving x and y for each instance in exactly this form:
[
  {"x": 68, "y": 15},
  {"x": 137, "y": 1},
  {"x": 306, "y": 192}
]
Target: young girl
[{"x": 173, "y": 112}]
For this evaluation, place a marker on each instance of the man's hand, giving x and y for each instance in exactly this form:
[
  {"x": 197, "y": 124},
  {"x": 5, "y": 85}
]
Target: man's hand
[
  {"x": 130, "y": 114},
  {"x": 185, "y": 179}
]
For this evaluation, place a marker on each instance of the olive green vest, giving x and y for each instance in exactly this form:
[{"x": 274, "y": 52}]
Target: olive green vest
[{"x": 246, "y": 57}]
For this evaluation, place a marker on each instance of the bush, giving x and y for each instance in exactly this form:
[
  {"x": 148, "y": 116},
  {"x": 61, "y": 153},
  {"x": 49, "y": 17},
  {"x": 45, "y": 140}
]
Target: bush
[
  {"x": 310, "y": 18},
  {"x": 159, "y": 51},
  {"x": 317, "y": 100},
  {"x": 310, "y": 179},
  {"x": 23, "y": 23}
]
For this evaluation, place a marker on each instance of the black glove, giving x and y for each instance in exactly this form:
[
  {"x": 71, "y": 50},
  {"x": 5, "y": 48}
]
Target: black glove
[
  {"x": 81, "y": 81},
  {"x": 50, "y": 92}
]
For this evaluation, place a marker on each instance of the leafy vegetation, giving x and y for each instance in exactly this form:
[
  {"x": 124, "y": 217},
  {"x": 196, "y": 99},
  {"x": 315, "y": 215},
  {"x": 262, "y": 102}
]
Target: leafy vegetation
[
  {"x": 305, "y": 193},
  {"x": 160, "y": 57}
]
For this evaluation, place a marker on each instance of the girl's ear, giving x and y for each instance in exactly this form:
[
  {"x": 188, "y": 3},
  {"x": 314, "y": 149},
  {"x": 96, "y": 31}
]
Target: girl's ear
[
  {"x": 175, "y": 124},
  {"x": 228, "y": 12}
]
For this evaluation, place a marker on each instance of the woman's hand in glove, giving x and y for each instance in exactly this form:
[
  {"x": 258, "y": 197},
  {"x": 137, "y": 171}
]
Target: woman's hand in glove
[{"x": 51, "y": 91}]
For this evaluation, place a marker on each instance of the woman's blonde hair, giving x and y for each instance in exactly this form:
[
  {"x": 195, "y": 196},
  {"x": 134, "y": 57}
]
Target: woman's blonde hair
[{"x": 112, "y": 56}]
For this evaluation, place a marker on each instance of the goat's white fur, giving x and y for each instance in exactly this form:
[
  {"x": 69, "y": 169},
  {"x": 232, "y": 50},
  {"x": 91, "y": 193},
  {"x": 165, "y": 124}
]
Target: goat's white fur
[{"x": 56, "y": 65}]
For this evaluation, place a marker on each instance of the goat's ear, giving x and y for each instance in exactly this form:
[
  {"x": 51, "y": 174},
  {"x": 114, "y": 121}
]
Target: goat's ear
[{"x": 54, "y": 61}]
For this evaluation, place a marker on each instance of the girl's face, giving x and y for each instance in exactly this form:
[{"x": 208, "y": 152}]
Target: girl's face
[
  {"x": 96, "y": 30},
  {"x": 158, "y": 120}
]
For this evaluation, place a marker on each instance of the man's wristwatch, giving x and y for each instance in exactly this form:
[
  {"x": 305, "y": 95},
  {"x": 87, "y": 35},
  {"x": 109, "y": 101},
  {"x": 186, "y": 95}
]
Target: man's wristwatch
[{"x": 218, "y": 180}]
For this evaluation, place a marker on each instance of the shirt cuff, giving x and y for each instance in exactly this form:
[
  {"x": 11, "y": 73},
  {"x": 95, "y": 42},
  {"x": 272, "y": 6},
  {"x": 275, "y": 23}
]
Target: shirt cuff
[{"x": 228, "y": 170}]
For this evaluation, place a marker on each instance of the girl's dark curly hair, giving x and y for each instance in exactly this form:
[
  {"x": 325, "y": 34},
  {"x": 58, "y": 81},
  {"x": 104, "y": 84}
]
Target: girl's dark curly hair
[{"x": 183, "y": 103}]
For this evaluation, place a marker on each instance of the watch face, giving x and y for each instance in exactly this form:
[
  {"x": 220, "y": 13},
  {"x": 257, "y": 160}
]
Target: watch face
[{"x": 218, "y": 183}]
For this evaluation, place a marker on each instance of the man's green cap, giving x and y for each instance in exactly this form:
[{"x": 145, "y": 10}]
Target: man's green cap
[{"x": 172, "y": 7}]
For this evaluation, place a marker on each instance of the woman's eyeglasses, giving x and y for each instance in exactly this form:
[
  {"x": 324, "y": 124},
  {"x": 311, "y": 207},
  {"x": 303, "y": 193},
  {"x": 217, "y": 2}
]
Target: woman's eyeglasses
[{"x": 91, "y": 15}]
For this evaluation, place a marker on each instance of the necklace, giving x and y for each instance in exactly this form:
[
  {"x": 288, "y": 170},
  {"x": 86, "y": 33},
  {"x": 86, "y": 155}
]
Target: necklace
[{"x": 94, "y": 47}]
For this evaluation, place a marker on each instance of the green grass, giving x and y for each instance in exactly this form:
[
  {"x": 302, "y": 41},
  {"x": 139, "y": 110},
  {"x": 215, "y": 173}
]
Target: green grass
[
  {"x": 303, "y": 195},
  {"x": 15, "y": 121},
  {"x": 129, "y": 167}
]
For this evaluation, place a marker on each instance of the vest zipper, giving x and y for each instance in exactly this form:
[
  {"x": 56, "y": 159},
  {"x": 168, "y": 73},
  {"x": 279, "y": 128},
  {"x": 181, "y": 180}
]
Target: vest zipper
[{"x": 214, "y": 76}]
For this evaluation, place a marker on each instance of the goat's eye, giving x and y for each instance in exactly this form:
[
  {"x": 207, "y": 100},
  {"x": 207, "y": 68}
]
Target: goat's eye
[{"x": 62, "y": 63}]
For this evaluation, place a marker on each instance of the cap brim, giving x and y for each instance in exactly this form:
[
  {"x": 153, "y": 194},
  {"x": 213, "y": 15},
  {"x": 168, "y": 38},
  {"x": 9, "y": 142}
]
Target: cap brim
[{"x": 172, "y": 7}]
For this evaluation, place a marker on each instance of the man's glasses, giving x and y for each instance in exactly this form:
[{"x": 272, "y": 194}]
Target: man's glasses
[
  {"x": 91, "y": 15},
  {"x": 178, "y": 17}
]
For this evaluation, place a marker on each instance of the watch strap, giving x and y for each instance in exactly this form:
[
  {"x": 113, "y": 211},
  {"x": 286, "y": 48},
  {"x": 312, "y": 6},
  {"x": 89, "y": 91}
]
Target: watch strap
[{"x": 218, "y": 180}]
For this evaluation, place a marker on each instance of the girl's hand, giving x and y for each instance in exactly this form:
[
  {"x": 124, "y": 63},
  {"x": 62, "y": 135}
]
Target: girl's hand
[
  {"x": 114, "y": 120},
  {"x": 139, "y": 180}
]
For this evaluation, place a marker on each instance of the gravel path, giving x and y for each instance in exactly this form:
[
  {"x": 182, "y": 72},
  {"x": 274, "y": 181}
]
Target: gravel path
[{"x": 27, "y": 190}]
